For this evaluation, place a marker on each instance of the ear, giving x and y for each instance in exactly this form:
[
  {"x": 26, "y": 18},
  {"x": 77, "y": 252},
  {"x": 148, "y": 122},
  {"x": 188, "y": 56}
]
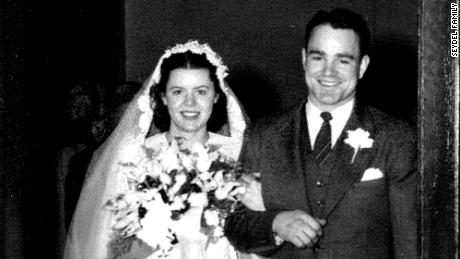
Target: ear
[
  {"x": 304, "y": 58},
  {"x": 164, "y": 99},
  {"x": 365, "y": 60}
]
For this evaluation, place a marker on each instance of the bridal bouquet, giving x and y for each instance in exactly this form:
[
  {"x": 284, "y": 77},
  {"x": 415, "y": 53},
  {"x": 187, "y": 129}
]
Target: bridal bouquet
[{"x": 165, "y": 185}]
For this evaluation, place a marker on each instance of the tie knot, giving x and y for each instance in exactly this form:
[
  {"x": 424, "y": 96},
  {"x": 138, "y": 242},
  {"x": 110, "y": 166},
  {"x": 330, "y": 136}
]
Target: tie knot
[{"x": 326, "y": 116}]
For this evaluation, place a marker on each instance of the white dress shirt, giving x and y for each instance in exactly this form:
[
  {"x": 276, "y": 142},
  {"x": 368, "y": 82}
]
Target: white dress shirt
[{"x": 340, "y": 116}]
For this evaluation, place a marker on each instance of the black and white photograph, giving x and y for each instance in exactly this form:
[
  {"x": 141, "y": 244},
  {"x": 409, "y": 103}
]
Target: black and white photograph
[{"x": 229, "y": 129}]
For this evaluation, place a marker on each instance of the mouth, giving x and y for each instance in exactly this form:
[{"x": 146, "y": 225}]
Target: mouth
[
  {"x": 329, "y": 83},
  {"x": 190, "y": 115}
]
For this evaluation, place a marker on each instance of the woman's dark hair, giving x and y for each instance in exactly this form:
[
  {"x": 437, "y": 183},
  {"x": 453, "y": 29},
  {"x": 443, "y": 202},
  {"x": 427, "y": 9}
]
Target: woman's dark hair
[{"x": 187, "y": 60}]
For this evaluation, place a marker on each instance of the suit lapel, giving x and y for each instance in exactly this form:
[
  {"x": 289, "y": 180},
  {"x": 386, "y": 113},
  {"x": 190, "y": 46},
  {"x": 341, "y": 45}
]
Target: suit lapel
[{"x": 345, "y": 173}]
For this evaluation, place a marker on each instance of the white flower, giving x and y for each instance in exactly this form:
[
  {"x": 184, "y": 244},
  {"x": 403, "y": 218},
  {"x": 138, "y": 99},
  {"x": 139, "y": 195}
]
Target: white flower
[
  {"x": 186, "y": 161},
  {"x": 358, "y": 139},
  {"x": 212, "y": 217},
  {"x": 171, "y": 168},
  {"x": 215, "y": 155},
  {"x": 198, "y": 199},
  {"x": 130, "y": 152},
  {"x": 155, "y": 168},
  {"x": 147, "y": 195},
  {"x": 180, "y": 178},
  {"x": 203, "y": 160},
  {"x": 123, "y": 202},
  {"x": 178, "y": 202},
  {"x": 224, "y": 191},
  {"x": 125, "y": 218},
  {"x": 156, "y": 224},
  {"x": 136, "y": 173},
  {"x": 206, "y": 181},
  {"x": 165, "y": 178},
  {"x": 169, "y": 159},
  {"x": 223, "y": 188},
  {"x": 218, "y": 232}
]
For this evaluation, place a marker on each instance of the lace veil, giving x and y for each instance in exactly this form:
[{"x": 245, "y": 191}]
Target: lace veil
[{"x": 89, "y": 233}]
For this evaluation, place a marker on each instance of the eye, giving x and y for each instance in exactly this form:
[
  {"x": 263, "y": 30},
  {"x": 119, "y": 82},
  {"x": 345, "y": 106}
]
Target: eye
[
  {"x": 202, "y": 91},
  {"x": 316, "y": 57},
  {"x": 344, "y": 61},
  {"x": 176, "y": 91}
]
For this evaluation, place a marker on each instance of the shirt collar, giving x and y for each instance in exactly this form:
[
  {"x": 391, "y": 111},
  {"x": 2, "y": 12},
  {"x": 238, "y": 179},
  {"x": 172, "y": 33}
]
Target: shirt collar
[{"x": 340, "y": 116}]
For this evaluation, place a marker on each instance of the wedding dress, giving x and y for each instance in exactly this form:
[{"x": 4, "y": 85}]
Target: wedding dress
[{"x": 90, "y": 232}]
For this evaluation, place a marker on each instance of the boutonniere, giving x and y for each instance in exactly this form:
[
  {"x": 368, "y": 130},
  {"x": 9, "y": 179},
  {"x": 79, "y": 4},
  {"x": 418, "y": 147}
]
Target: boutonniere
[{"x": 358, "y": 139}]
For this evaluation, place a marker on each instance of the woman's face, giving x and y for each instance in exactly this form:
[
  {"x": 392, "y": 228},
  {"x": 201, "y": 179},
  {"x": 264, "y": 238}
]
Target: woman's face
[{"x": 189, "y": 96}]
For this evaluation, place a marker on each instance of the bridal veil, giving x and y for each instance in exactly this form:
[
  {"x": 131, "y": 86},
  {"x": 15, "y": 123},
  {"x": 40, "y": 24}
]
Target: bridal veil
[{"x": 90, "y": 230}]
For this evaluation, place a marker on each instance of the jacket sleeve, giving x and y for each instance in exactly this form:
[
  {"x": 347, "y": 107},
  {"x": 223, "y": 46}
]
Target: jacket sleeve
[
  {"x": 251, "y": 231},
  {"x": 403, "y": 190}
]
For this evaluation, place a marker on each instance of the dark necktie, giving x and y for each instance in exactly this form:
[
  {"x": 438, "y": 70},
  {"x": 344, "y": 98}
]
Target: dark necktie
[{"x": 323, "y": 139}]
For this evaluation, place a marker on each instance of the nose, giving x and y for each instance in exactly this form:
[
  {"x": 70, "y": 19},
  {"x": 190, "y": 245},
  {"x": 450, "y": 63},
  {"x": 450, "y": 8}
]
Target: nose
[
  {"x": 190, "y": 99},
  {"x": 329, "y": 68}
]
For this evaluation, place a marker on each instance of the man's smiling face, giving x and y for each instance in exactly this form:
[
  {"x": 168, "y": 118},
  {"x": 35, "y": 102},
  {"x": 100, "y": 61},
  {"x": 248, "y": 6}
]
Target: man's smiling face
[{"x": 333, "y": 66}]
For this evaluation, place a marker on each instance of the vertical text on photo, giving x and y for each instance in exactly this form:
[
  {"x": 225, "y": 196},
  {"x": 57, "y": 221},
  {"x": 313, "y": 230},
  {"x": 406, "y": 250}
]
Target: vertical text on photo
[{"x": 454, "y": 27}]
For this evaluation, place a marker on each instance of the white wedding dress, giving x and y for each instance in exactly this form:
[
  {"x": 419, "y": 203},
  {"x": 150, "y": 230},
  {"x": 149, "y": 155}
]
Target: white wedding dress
[{"x": 90, "y": 231}]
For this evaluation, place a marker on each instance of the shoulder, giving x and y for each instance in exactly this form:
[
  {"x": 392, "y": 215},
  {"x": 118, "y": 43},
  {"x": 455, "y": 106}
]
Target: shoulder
[
  {"x": 277, "y": 123},
  {"x": 389, "y": 126},
  {"x": 215, "y": 138},
  {"x": 228, "y": 146}
]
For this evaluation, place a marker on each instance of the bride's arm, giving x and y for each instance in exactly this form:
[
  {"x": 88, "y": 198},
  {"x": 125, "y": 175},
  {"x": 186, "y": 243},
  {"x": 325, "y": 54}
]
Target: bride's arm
[{"x": 251, "y": 197}]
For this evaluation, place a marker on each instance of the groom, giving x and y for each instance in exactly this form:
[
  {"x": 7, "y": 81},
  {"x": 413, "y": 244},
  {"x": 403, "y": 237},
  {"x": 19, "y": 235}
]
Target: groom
[{"x": 338, "y": 178}]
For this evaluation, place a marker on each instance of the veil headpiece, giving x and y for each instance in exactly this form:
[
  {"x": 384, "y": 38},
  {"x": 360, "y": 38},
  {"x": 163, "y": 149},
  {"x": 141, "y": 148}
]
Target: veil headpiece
[
  {"x": 196, "y": 48},
  {"x": 237, "y": 117},
  {"x": 90, "y": 230}
]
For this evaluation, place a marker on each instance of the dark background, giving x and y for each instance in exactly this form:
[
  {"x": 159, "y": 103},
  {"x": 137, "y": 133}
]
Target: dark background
[
  {"x": 261, "y": 43},
  {"x": 47, "y": 47}
]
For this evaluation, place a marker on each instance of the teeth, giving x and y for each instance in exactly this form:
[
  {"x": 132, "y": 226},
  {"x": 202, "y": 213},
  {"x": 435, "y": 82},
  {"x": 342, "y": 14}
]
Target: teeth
[
  {"x": 190, "y": 114},
  {"x": 326, "y": 83}
]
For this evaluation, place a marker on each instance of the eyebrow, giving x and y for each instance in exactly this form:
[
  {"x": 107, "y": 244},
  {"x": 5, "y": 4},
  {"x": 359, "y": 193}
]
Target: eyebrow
[
  {"x": 201, "y": 86},
  {"x": 345, "y": 55},
  {"x": 196, "y": 87},
  {"x": 312, "y": 52},
  {"x": 340, "y": 55}
]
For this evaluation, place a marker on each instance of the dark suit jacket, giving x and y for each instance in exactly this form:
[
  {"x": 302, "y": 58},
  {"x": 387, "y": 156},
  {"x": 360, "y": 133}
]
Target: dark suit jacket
[{"x": 371, "y": 219}]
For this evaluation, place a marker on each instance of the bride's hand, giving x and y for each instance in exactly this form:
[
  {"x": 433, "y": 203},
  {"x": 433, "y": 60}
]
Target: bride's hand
[{"x": 252, "y": 196}]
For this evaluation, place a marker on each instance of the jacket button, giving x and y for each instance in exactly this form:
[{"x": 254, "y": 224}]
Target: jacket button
[
  {"x": 319, "y": 203},
  {"x": 319, "y": 183}
]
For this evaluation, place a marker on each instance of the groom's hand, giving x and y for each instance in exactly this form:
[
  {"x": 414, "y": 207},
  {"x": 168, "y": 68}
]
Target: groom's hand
[{"x": 299, "y": 228}]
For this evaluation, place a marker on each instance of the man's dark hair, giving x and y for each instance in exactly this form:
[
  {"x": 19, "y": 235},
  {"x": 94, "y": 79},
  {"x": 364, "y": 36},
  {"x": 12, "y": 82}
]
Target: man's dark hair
[
  {"x": 187, "y": 60},
  {"x": 341, "y": 19}
]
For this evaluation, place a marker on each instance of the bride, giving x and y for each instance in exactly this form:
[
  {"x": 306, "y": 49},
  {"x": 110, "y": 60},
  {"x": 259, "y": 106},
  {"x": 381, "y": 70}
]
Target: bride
[{"x": 188, "y": 100}]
